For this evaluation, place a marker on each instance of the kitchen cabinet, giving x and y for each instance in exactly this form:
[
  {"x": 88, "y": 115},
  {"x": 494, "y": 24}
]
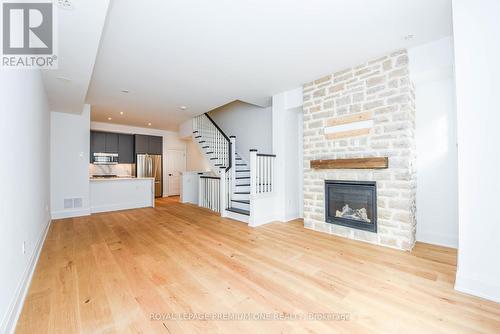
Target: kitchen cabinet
[
  {"x": 97, "y": 142},
  {"x": 155, "y": 145},
  {"x": 148, "y": 144},
  {"x": 141, "y": 144},
  {"x": 126, "y": 149},
  {"x": 111, "y": 143},
  {"x": 126, "y": 145}
]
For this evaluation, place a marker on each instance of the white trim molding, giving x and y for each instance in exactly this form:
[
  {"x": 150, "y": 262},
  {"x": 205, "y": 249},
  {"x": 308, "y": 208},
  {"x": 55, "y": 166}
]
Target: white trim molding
[
  {"x": 478, "y": 286},
  {"x": 8, "y": 324},
  {"x": 70, "y": 213}
]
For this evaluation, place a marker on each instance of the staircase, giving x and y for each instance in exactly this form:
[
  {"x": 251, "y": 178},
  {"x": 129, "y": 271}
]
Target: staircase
[
  {"x": 240, "y": 199},
  {"x": 240, "y": 183}
]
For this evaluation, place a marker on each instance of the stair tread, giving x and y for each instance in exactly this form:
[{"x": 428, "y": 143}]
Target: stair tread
[
  {"x": 240, "y": 211},
  {"x": 243, "y": 171},
  {"x": 242, "y": 192},
  {"x": 242, "y": 177},
  {"x": 240, "y": 201},
  {"x": 243, "y": 185}
]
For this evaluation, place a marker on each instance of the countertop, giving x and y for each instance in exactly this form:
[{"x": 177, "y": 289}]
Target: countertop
[{"x": 119, "y": 178}]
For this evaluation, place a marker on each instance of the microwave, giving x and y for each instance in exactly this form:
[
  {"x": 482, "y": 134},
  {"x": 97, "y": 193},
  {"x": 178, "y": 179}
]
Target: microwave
[{"x": 105, "y": 159}]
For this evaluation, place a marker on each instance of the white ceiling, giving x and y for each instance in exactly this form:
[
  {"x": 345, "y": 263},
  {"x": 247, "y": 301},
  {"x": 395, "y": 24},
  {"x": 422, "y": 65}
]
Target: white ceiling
[
  {"x": 204, "y": 54},
  {"x": 78, "y": 33}
]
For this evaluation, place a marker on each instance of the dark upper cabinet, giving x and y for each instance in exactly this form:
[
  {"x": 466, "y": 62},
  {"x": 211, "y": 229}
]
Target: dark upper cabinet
[
  {"x": 155, "y": 145},
  {"x": 97, "y": 142},
  {"x": 125, "y": 149},
  {"x": 141, "y": 144},
  {"x": 127, "y": 146},
  {"x": 148, "y": 144},
  {"x": 111, "y": 143}
]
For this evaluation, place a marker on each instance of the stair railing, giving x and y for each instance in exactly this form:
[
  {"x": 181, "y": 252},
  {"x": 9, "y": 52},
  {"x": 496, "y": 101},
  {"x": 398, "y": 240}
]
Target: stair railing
[
  {"x": 222, "y": 148},
  {"x": 206, "y": 129},
  {"x": 209, "y": 193},
  {"x": 262, "y": 173}
]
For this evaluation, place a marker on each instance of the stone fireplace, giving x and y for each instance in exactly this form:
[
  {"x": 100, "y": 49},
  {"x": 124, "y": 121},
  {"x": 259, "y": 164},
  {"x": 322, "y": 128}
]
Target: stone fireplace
[
  {"x": 366, "y": 111},
  {"x": 352, "y": 204}
]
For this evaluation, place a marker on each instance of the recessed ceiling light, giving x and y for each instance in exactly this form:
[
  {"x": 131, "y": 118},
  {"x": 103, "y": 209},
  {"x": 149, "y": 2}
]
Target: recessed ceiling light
[
  {"x": 109, "y": 118},
  {"x": 408, "y": 37},
  {"x": 149, "y": 124},
  {"x": 121, "y": 112},
  {"x": 183, "y": 107},
  {"x": 126, "y": 91}
]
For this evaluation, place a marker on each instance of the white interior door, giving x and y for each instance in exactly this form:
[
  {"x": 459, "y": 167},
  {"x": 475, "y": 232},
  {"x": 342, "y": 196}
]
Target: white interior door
[{"x": 176, "y": 163}]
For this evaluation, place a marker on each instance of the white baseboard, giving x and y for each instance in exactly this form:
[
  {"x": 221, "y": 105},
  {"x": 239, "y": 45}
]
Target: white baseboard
[
  {"x": 438, "y": 239},
  {"x": 8, "y": 324},
  {"x": 121, "y": 206},
  {"x": 70, "y": 213},
  {"x": 478, "y": 286}
]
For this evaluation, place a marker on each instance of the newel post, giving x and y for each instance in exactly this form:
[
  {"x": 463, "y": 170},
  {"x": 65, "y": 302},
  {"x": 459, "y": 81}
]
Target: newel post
[
  {"x": 233, "y": 159},
  {"x": 200, "y": 190},
  {"x": 253, "y": 172},
  {"x": 222, "y": 191}
]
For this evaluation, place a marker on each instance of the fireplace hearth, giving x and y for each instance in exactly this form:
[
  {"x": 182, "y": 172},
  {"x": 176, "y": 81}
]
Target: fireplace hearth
[{"x": 352, "y": 204}]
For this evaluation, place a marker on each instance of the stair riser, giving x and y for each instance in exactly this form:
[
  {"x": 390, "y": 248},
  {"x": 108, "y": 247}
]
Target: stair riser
[
  {"x": 242, "y": 189},
  {"x": 236, "y": 216},
  {"x": 241, "y": 206},
  {"x": 244, "y": 197},
  {"x": 242, "y": 181}
]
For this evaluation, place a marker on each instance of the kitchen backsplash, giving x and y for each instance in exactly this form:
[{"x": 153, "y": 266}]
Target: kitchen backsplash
[{"x": 119, "y": 169}]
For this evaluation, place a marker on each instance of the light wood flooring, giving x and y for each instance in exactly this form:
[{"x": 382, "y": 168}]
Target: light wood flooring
[{"x": 108, "y": 273}]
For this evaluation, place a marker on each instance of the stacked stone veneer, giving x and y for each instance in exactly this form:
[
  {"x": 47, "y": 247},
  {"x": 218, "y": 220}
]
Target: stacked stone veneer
[{"x": 382, "y": 86}]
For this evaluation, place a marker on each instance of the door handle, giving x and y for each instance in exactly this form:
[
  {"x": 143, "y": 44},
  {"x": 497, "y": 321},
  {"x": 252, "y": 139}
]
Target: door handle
[{"x": 169, "y": 174}]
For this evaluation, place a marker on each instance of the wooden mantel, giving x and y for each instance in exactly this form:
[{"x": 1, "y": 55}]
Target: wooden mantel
[{"x": 360, "y": 163}]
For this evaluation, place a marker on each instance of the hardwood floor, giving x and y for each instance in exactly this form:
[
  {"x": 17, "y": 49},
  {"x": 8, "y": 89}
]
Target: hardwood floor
[{"x": 109, "y": 273}]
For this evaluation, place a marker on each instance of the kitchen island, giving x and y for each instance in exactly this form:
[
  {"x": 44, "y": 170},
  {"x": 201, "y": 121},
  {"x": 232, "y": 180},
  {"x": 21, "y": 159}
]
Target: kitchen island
[{"x": 121, "y": 193}]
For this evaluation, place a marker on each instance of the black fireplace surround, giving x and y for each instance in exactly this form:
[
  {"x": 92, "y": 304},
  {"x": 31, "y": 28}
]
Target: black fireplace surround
[{"x": 352, "y": 204}]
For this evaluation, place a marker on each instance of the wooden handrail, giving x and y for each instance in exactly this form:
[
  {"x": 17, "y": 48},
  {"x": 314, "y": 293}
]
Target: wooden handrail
[{"x": 229, "y": 165}]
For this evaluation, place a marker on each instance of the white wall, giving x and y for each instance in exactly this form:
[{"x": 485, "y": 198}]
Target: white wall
[
  {"x": 249, "y": 123},
  {"x": 25, "y": 187},
  {"x": 69, "y": 157},
  {"x": 171, "y": 141},
  {"x": 477, "y": 70},
  {"x": 287, "y": 145},
  {"x": 431, "y": 69},
  {"x": 195, "y": 161}
]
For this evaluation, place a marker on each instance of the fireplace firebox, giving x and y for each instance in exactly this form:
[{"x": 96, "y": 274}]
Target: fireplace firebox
[{"x": 352, "y": 204}]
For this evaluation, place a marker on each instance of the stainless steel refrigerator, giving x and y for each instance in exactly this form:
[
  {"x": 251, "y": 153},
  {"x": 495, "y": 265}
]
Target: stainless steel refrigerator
[{"x": 150, "y": 165}]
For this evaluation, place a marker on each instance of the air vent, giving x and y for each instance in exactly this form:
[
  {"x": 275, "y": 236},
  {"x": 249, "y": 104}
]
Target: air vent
[
  {"x": 77, "y": 202},
  {"x": 73, "y": 203},
  {"x": 68, "y": 203}
]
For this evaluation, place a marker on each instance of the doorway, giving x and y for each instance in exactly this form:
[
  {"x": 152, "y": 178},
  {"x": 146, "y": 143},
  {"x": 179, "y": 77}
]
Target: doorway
[{"x": 176, "y": 164}]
